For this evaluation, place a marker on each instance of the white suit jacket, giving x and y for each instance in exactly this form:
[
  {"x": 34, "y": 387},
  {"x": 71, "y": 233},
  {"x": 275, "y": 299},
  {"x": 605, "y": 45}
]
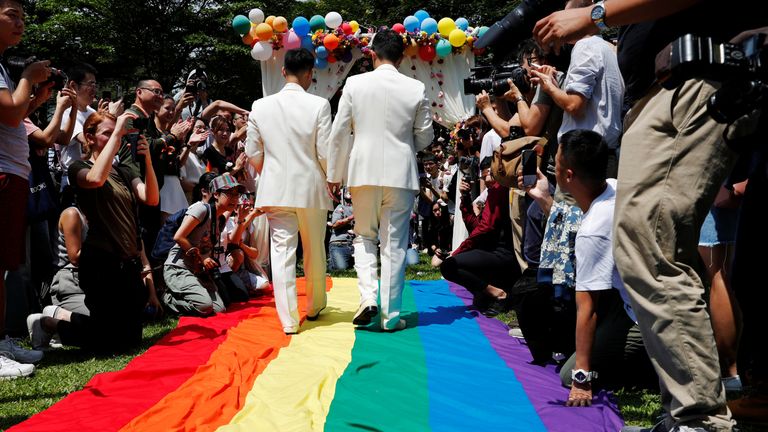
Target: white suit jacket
[
  {"x": 287, "y": 142},
  {"x": 389, "y": 117}
]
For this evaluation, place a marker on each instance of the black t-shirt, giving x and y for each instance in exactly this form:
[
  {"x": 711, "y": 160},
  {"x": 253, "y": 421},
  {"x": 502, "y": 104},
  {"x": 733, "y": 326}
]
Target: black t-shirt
[
  {"x": 217, "y": 160},
  {"x": 639, "y": 43}
]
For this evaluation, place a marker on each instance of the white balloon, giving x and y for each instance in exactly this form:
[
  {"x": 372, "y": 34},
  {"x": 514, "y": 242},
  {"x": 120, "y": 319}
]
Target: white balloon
[
  {"x": 256, "y": 16},
  {"x": 333, "y": 20},
  {"x": 262, "y": 51}
]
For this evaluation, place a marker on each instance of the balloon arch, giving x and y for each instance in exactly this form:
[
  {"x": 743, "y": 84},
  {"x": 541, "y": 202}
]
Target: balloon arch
[{"x": 438, "y": 53}]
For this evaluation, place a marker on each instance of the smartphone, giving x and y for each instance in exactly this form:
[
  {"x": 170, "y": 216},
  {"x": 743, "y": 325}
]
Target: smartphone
[
  {"x": 528, "y": 159},
  {"x": 106, "y": 95}
]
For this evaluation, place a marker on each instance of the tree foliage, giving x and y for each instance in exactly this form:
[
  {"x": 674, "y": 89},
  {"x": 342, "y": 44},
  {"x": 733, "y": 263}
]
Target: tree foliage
[{"x": 128, "y": 40}]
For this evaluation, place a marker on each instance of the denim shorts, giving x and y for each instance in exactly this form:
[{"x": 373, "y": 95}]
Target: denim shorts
[{"x": 719, "y": 227}]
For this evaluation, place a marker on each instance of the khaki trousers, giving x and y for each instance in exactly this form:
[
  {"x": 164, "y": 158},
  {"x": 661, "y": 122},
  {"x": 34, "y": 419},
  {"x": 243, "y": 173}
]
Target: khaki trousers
[
  {"x": 517, "y": 212},
  {"x": 285, "y": 225},
  {"x": 673, "y": 160}
]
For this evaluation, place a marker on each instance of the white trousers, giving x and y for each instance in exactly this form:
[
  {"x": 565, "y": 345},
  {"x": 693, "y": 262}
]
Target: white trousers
[
  {"x": 382, "y": 214},
  {"x": 285, "y": 225}
]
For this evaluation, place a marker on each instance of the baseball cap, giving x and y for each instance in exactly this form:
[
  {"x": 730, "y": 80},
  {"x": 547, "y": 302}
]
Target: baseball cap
[{"x": 225, "y": 182}]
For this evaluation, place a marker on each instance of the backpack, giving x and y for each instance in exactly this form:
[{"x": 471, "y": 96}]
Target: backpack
[{"x": 165, "y": 241}]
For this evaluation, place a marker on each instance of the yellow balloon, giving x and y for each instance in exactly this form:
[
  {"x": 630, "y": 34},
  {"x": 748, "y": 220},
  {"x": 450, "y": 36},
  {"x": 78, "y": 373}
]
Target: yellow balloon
[
  {"x": 280, "y": 24},
  {"x": 457, "y": 37},
  {"x": 445, "y": 26},
  {"x": 270, "y": 19},
  {"x": 264, "y": 31},
  {"x": 355, "y": 26}
]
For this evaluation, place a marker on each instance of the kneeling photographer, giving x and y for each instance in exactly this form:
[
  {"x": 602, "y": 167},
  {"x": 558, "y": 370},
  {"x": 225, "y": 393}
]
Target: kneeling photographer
[
  {"x": 191, "y": 272},
  {"x": 485, "y": 262},
  {"x": 672, "y": 163}
]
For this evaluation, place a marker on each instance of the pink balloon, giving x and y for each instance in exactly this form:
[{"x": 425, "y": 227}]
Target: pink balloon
[
  {"x": 292, "y": 40},
  {"x": 399, "y": 28}
]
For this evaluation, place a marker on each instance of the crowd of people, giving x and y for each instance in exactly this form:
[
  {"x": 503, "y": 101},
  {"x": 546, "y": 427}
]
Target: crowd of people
[{"x": 617, "y": 253}]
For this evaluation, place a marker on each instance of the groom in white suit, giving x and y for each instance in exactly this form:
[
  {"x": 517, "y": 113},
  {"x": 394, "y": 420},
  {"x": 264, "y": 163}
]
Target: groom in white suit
[
  {"x": 287, "y": 143},
  {"x": 388, "y": 115}
]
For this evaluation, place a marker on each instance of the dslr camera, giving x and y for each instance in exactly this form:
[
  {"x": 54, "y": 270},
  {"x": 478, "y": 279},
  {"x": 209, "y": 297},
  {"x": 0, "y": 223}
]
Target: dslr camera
[
  {"x": 493, "y": 79},
  {"x": 740, "y": 67},
  {"x": 517, "y": 26},
  {"x": 199, "y": 81},
  {"x": 16, "y": 66}
]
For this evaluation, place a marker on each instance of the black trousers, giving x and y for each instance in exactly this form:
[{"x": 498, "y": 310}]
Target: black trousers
[
  {"x": 115, "y": 296},
  {"x": 477, "y": 268}
]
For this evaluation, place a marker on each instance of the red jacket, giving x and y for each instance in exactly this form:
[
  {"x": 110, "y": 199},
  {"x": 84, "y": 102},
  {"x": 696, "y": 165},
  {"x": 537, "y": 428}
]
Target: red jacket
[{"x": 493, "y": 225}]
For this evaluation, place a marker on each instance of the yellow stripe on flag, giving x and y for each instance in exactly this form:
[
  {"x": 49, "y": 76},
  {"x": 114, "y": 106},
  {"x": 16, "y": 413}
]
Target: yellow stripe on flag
[{"x": 295, "y": 391}]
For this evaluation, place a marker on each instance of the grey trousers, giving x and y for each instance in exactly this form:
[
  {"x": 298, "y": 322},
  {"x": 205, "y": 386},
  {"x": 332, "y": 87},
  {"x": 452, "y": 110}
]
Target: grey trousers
[
  {"x": 187, "y": 294},
  {"x": 673, "y": 160}
]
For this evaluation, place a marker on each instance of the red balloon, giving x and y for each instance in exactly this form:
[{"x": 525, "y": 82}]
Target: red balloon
[
  {"x": 331, "y": 59},
  {"x": 427, "y": 53},
  {"x": 399, "y": 28},
  {"x": 346, "y": 28}
]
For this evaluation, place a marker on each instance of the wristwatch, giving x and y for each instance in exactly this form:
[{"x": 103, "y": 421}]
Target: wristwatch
[
  {"x": 581, "y": 376},
  {"x": 598, "y": 16}
]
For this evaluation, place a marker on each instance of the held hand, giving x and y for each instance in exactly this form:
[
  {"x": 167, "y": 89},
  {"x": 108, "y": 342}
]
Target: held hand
[
  {"x": 103, "y": 106},
  {"x": 464, "y": 187},
  {"x": 333, "y": 191},
  {"x": 142, "y": 149},
  {"x": 565, "y": 26},
  {"x": 181, "y": 129},
  {"x": 240, "y": 162},
  {"x": 154, "y": 302},
  {"x": 483, "y": 100},
  {"x": 210, "y": 264},
  {"x": 547, "y": 81},
  {"x": 513, "y": 93},
  {"x": 580, "y": 396},
  {"x": 37, "y": 72},
  {"x": 745, "y": 34},
  {"x": 538, "y": 191},
  {"x": 186, "y": 100},
  {"x": 122, "y": 123},
  {"x": 116, "y": 108},
  {"x": 66, "y": 98}
]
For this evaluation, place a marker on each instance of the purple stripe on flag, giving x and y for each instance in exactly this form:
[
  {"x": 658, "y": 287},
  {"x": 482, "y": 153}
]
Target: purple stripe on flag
[{"x": 542, "y": 384}]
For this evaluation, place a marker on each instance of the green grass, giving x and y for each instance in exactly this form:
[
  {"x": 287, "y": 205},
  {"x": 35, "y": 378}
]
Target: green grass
[{"x": 68, "y": 370}]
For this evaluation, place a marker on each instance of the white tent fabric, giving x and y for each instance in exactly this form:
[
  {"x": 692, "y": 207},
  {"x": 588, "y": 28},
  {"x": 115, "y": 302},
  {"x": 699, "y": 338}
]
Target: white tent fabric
[
  {"x": 327, "y": 81},
  {"x": 445, "y": 85}
]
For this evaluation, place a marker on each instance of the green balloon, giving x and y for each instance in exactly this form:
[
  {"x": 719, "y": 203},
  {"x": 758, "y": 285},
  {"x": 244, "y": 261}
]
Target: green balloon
[
  {"x": 316, "y": 23},
  {"x": 443, "y": 48},
  {"x": 241, "y": 24}
]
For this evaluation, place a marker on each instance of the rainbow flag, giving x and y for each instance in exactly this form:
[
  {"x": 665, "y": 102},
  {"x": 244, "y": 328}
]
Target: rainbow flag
[{"x": 450, "y": 370}]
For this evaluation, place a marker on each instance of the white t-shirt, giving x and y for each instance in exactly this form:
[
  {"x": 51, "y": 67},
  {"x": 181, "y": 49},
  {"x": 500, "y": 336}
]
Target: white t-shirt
[
  {"x": 595, "y": 267},
  {"x": 491, "y": 143},
  {"x": 14, "y": 148},
  {"x": 74, "y": 151},
  {"x": 594, "y": 73}
]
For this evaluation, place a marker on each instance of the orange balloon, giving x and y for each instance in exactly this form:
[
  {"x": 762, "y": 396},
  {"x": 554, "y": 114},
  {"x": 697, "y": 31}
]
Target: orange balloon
[
  {"x": 331, "y": 42},
  {"x": 412, "y": 50},
  {"x": 248, "y": 39},
  {"x": 270, "y": 19},
  {"x": 263, "y": 31},
  {"x": 280, "y": 24}
]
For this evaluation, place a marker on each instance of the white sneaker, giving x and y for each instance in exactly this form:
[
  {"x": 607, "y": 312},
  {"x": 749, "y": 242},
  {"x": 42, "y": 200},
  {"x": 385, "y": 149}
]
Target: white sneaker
[
  {"x": 10, "y": 369},
  {"x": 40, "y": 338},
  {"x": 515, "y": 332},
  {"x": 18, "y": 353}
]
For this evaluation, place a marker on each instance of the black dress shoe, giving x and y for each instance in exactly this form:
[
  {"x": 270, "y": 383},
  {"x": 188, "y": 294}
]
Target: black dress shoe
[
  {"x": 365, "y": 314},
  {"x": 315, "y": 316}
]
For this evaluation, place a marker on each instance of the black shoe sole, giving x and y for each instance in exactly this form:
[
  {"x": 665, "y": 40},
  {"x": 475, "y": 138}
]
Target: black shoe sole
[
  {"x": 365, "y": 317},
  {"x": 314, "y": 317}
]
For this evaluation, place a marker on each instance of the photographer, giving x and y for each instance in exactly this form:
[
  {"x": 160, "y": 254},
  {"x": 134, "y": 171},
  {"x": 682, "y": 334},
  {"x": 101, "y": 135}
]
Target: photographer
[
  {"x": 485, "y": 262},
  {"x": 673, "y": 161},
  {"x": 192, "y": 265}
]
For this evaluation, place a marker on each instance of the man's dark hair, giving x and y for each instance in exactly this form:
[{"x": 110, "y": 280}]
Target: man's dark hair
[
  {"x": 586, "y": 154},
  {"x": 388, "y": 45},
  {"x": 428, "y": 157},
  {"x": 78, "y": 72},
  {"x": 298, "y": 61}
]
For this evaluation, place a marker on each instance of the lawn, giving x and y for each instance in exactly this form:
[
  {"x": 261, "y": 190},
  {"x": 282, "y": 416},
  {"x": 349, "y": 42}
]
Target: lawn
[{"x": 68, "y": 370}]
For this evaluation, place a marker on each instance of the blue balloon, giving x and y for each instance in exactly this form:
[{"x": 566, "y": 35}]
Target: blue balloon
[
  {"x": 411, "y": 23},
  {"x": 306, "y": 43},
  {"x": 321, "y": 63},
  {"x": 482, "y": 31},
  {"x": 300, "y": 26},
  {"x": 443, "y": 48},
  {"x": 462, "y": 23},
  {"x": 321, "y": 52},
  {"x": 429, "y": 25},
  {"x": 421, "y": 15}
]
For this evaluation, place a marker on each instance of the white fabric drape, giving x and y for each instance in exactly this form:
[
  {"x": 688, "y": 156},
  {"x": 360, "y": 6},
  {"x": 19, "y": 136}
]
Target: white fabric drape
[
  {"x": 460, "y": 232},
  {"x": 327, "y": 81},
  {"x": 445, "y": 85}
]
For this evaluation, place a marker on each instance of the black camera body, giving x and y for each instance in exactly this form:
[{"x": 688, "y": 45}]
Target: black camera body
[
  {"x": 16, "y": 66},
  {"x": 493, "y": 79},
  {"x": 140, "y": 125},
  {"x": 740, "y": 67},
  {"x": 198, "y": 81}
]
